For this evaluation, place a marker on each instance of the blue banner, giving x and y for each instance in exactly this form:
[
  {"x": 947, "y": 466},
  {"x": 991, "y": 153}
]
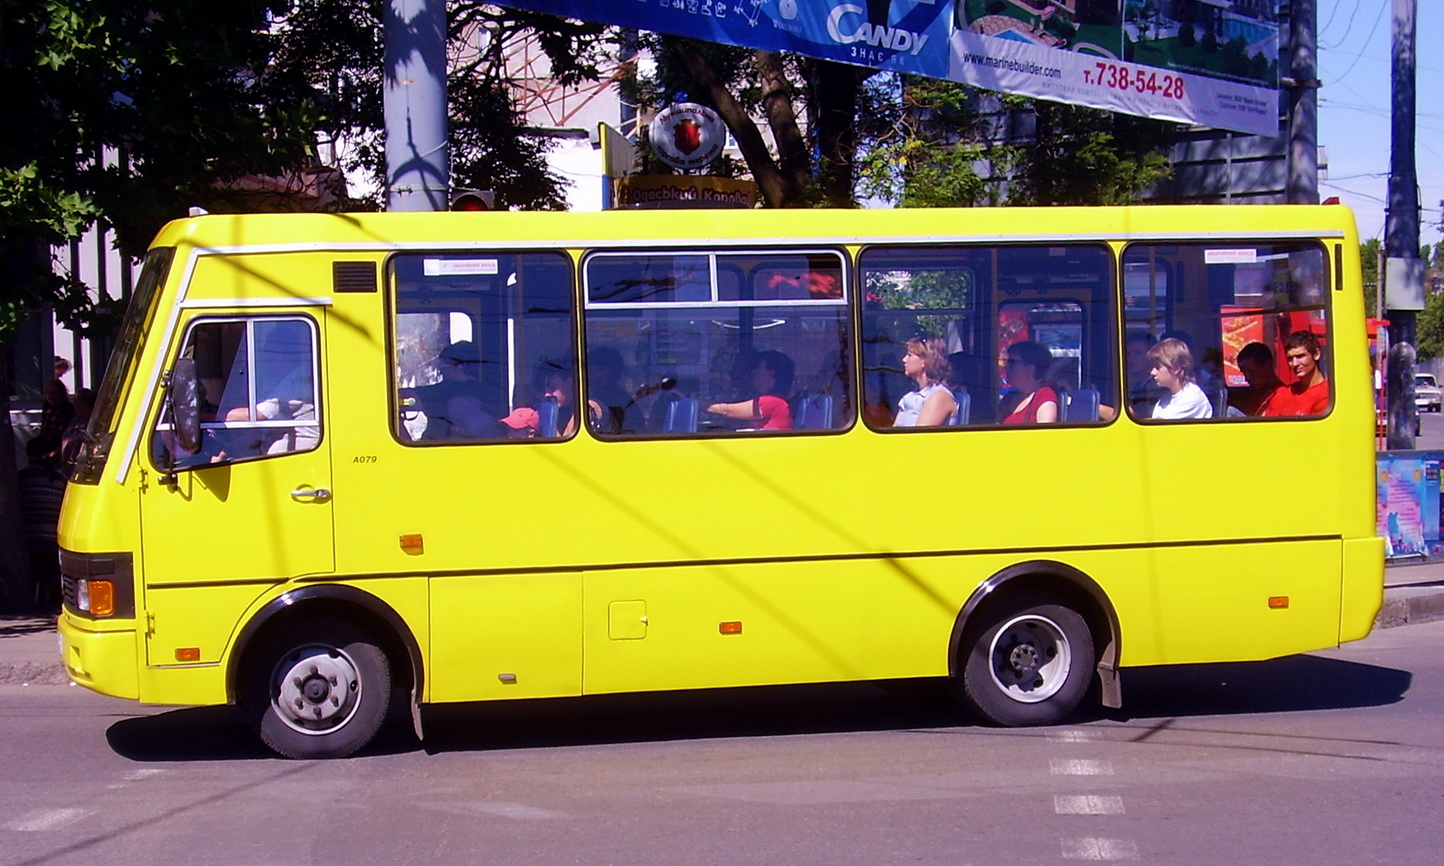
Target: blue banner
[{"x": 1208, "y": 63}]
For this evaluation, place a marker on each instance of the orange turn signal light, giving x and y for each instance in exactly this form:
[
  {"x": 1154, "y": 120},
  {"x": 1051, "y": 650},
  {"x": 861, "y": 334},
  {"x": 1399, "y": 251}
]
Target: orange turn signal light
[
  {"x": 188, "y": 654},
  {"x": 102, "y": 597},
  {"x": 411, "y": 543},
  {"x": 730, "y": 627},
  {"x": 1278, "y": 602}
]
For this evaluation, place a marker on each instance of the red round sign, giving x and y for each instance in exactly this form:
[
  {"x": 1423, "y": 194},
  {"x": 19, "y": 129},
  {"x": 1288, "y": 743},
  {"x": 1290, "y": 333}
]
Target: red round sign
[{"x": 688, "y": 135}]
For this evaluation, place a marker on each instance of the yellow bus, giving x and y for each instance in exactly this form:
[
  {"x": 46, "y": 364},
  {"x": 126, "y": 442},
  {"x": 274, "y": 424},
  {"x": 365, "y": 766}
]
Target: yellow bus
[{"x": 340, "y": 459}]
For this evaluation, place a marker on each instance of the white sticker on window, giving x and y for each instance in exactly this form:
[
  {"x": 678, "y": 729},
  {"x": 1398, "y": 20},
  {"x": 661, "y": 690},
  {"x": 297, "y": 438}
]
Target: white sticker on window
[
  {"x": 1230, "y": 257},
  {"x": 459, "y": 267}
]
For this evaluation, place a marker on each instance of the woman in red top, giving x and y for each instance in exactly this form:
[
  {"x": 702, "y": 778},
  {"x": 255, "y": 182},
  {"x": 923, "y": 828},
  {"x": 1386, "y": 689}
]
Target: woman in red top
[
  {"x": 772, "y": 380},
  {"x": 1033, "y": 402}
]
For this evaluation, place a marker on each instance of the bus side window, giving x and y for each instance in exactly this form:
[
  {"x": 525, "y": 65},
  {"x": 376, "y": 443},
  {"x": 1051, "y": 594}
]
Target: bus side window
[{"x": 1241, "y": 309}]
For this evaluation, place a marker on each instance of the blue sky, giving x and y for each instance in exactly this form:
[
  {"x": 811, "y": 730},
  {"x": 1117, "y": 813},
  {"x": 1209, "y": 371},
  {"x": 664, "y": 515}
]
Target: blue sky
[{"x": 1354, "y": 125}]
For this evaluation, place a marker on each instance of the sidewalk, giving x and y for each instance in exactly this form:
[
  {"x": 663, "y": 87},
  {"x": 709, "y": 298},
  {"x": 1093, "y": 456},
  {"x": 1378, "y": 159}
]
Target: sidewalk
[{"x": 30, "y": 652}]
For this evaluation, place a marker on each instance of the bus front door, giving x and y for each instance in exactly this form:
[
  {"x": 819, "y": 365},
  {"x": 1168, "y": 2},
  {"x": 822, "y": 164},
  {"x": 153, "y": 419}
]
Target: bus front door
[{"x": 249, "y": 509}]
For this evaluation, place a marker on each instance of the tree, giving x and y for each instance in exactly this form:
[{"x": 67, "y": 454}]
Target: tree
[
  {"x": 1369, "y": 252},
  {"x": 1430, "y": 327},
  {"x": 334, "y": 49},
  {"x": 941, "y": 149},
  {"x": 811, "y": 106},
  {"x": 120, "y": 113}
]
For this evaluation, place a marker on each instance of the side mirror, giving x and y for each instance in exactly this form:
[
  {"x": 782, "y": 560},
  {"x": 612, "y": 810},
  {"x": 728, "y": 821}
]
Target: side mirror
[{"x": 184, "y": 399}]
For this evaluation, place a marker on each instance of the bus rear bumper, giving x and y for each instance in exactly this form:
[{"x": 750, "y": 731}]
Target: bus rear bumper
[
  {"x": 103, "y": 661},
  {"x": 1362, "y": 592}
]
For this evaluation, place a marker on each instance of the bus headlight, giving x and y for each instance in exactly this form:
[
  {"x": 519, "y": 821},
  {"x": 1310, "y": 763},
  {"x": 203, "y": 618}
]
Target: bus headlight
[{"x": 98, "y": 585}]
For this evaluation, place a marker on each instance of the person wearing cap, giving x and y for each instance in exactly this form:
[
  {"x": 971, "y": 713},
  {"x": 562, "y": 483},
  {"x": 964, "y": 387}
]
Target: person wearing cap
[
  {"x": 454, "y": 407},
  {"x": 523, "y": 423}
]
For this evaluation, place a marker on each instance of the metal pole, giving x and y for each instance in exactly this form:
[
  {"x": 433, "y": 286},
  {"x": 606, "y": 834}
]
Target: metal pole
[
  {"x": 414, "y": 102},
  {"x": 1404, "y": 273},
  {"x": 1303, "y": 85}
]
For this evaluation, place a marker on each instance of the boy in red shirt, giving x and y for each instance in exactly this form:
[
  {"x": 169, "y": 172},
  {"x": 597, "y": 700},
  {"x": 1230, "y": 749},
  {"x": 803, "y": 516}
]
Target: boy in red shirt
[{"x": 1309, "y": 394}]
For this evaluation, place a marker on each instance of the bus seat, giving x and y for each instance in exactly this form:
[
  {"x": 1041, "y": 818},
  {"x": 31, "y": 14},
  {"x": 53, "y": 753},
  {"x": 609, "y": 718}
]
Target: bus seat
[
  {"x": 546, "y": 411},
  {"x": 681, "y": 416},
  {"x": 1218, "y": 396},
  {"x": 1082, "y": 406},
  {"x": 813, "y": 413},
  {"x": 960, "y": 415}
]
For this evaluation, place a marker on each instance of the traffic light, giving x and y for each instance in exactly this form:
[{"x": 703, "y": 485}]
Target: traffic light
[{"x": 473, "y": 200}]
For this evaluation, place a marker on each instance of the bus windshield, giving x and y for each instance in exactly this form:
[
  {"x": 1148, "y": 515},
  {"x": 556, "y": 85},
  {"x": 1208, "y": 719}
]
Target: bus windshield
[{"x": 119, "y": 373}]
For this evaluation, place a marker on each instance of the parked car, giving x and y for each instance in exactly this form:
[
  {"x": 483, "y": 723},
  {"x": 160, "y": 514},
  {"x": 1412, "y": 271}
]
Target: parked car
[{"x": 1427, "y": 396}]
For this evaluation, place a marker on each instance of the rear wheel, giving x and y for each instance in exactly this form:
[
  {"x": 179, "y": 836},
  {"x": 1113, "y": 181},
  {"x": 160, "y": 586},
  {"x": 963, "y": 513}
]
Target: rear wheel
[
  {"x": 1027, "y": 662},
  {"x": 318, "y": 689}
]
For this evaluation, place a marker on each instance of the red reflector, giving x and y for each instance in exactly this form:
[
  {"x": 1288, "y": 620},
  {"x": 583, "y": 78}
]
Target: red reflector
[
  {"x": 732, "y": 627},
  {"x": 1278, "y": 602}
]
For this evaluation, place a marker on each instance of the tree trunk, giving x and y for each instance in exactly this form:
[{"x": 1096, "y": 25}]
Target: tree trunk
[
  {"x": 793, "y": 159},
  {"x": 15, "y": 579},
  {"x": 779, "y": 183}
]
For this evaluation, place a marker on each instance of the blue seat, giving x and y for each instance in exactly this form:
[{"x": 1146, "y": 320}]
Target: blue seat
[
  {"x": 1082, "y": 406},
  {"x": 813, "y": 413},
  {"x": 681, "y": 416},
  {"x": 546, "y": 411},
  {"x": 960, "y": 415}
]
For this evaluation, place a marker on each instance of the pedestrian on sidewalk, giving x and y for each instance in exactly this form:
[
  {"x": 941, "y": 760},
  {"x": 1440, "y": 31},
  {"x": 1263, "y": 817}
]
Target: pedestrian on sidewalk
[{"x": 42, "y": 489}]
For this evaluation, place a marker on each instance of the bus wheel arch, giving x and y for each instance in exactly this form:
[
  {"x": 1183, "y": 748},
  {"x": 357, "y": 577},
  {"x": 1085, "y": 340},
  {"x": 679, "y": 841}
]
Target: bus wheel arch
[
  {"x": 1042, "y": 618},
  {"x": 334, "y": 633}
]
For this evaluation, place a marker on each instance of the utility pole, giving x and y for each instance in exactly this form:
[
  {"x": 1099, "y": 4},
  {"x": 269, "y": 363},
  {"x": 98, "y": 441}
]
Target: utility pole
[
  {"x": 1404, "y": 270},
  {"x": 1302, "y": 186},
  {"x": 418, "y": 171}
]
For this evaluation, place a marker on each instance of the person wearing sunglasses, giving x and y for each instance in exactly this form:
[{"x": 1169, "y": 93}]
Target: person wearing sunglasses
[{"x": 1033, "y": 401}]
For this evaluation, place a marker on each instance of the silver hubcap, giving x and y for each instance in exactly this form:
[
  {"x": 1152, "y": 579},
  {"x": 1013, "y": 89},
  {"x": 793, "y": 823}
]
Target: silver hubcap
[
  {"x": 316, "y": 689},
  {"x": 1030, "y": 659}
]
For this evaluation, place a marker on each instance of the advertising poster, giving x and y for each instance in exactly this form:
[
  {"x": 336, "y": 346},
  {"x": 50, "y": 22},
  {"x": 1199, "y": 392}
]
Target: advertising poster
[
  {"x": 1402, "y": 491},
  {"x": 1207, "y": 62}
]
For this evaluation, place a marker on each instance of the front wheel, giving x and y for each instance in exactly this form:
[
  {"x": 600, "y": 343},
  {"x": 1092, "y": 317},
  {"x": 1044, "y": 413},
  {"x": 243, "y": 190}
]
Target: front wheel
[
  {"x": 318, "y": 689},
  {"x": 1027, "y": 662}
]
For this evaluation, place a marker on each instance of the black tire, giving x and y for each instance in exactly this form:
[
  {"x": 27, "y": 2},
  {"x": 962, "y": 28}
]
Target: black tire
[
  {"x": 1027, "y": 661},
  {"x": 317, "y": 688}
]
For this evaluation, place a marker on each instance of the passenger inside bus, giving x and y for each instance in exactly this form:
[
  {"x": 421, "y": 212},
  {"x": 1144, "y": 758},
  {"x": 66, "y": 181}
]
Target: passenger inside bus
[
  {"x": 1173, "y": 371},
  {"x": 931, "y": 403},
  {"x": 620, "y": 412},
  {"x": 1308, "y": 394},
  {"x": 454, "y": 407},
  {"x": 1256, "y": 362},
  {"x": 772, "y": 375},
  {"x": 1032, "y": 400},
  {"x": 561, "y": 390}
]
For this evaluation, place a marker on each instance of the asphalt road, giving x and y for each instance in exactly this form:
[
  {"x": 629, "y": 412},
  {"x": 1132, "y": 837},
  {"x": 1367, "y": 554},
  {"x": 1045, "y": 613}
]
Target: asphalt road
[{"x": 1334, "y": 757}]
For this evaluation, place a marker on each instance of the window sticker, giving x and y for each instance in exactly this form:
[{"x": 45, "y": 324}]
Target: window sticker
[
  {"x": 459, "y": 267},
  {"x": 1230, "y": 257}
]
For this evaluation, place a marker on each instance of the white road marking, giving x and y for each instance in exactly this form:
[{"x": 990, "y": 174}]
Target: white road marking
[
  {"x": 43, "y": 820},
  {"x": 1087, "y": 804},
  {"x": 1074, "y": 736},
  {"x": 1093, "y": 848},
  {"x": 501, "y": 810},
  {"x": 1080, "y": 767}
]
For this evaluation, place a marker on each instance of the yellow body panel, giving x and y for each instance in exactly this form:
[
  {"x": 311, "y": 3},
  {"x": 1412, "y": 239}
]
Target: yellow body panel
[{"x": 583, "y": 566}]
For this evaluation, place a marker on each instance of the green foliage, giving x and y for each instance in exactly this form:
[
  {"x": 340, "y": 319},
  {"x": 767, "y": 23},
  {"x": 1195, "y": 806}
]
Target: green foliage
[
  {"x": 936, "y": 149},
  {"x": 1369, "y": 252},
  {"x": 124, "y": 113},
  {"x": 1430, "y": 327}
]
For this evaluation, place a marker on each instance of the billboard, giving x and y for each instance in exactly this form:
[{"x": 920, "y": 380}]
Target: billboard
[{"x": 1208, "y": 62}]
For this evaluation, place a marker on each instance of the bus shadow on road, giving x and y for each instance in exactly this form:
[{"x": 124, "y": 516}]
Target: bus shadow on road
[{"x": 1291, "y": 684}]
